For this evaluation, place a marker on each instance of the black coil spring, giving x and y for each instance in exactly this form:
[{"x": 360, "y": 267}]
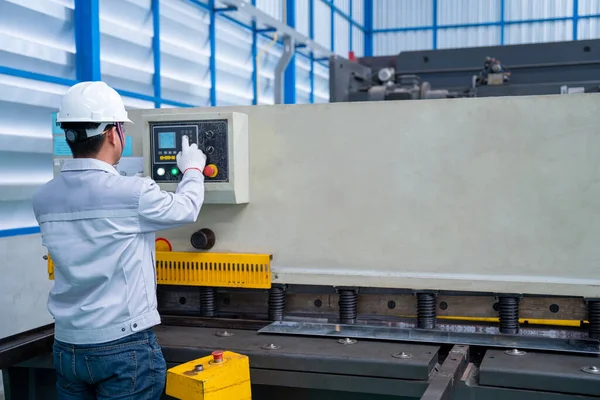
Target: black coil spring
[
  {"x": 276, "y": 303},
  {"x": 426, "y": 310},
  {"x": 594, "y": 319},
  {"x": 207, "y": 302},
  {"x": 509, "y": 315},
  {"x": 348, "y": 304}
]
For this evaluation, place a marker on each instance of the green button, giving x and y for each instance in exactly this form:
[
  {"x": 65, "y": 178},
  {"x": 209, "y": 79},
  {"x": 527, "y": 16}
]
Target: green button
[{"x": 174, "y": 171}]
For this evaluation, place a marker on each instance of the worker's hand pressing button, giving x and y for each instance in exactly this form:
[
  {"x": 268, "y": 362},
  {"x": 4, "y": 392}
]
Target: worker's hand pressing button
[{"x": 190, "y": 156}]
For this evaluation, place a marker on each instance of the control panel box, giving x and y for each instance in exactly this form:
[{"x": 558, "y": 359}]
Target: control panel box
[{"x": 222, "y": 136}]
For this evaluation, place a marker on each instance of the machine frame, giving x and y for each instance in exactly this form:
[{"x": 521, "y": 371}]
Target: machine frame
[
  {"x": 322, "y": 339},
  {"x": 534, "y": 69}
]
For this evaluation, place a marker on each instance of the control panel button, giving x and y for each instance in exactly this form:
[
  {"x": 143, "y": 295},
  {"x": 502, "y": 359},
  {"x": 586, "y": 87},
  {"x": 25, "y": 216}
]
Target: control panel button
[
  {"x": 163, "y": 244},
  {"x": 211, "y": 136},
  {"x": 211, "y": 170},
  {"x": 217, "y": 357}
]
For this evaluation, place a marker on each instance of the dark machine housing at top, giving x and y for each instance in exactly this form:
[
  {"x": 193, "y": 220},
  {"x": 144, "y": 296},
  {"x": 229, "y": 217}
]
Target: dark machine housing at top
[{"x": 515, "y": 70}]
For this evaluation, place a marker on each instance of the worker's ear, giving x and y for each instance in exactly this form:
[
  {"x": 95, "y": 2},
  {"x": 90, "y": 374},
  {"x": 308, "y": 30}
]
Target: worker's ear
[{"x": 113, "y": 135}]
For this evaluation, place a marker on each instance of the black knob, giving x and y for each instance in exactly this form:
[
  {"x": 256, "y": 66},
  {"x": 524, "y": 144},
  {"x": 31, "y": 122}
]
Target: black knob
[{"x": 204, "y": 239}]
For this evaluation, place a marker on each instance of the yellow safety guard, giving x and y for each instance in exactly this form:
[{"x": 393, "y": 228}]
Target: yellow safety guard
[{"x": 208, "y": 269}]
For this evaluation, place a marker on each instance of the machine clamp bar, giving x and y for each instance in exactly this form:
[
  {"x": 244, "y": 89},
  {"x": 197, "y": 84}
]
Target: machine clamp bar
[{"x": 235, "y": 270}]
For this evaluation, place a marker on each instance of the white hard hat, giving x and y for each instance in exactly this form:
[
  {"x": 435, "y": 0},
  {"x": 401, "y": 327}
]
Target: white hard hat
[{"x": 92, "y": 102}]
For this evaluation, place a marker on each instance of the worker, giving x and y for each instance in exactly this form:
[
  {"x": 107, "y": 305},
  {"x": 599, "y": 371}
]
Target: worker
[{"x": 99, "y": 228}]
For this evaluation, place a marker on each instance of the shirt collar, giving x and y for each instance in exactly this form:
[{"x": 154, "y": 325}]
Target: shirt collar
[{"x": 83, "y": 164}]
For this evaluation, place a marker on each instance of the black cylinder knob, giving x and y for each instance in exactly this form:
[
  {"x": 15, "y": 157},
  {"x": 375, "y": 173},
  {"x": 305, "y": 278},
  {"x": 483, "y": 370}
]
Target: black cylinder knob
[{"x": 204, "y": 239}]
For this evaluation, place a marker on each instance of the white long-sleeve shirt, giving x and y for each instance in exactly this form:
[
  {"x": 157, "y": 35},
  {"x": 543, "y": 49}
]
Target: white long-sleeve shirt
[{"x": 98, "y": 227}]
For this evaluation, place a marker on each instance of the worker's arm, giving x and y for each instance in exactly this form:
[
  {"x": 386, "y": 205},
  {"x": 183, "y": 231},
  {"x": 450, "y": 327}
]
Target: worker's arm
[{"x": 160, "y": 210}]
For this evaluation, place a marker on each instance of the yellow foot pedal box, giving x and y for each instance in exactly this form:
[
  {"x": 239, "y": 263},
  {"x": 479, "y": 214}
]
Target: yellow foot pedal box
[{"x": 222, "y": 376}]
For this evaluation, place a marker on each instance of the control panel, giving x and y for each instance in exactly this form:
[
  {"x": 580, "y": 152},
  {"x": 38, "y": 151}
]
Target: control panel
[
  {"x": 211, "y": 138},
  {"x": 222, "y": 136}
]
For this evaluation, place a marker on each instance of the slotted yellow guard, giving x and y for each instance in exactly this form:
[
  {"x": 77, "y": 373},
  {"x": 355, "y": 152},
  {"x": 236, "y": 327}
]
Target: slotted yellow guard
[
  {"x": 214, "y": 269},
  {"x": 208, "y": 269}
]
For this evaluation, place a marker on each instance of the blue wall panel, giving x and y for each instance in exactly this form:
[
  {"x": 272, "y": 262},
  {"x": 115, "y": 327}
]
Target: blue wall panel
[
  {"x": 234, "y": 64},
  {"x": 389, "y": 43},
  {"x": 272, "y": 7},
  {"x": 36, "y": 41},
  {"x": 358, "y": 41},
  {"x": 271, "y": 52},
  {"x": 589, "y": 28},
  {"x": 341, "y": 35},
  {"x": 467, "y": 37},
  {"x": 538, "y": 9},
  {"x": 126, "y": 56},
  {"x": 37, "y": 36},
  {"x": 302, "y": 17},
  {"x": 321, "y": 84},
  {"x": 391, "y": 14},
  {"x": 539, "y": 32},
  {"x": 156, "y": 53},
  {"x": 184, "y": 52},
  {"x": 457, "y": 12},
  {"x": 401, "y": 25},
  {"x": 322, "y": 24},
  {"x": 303, "y": 78},
  {"x": 358, "y": 12}
]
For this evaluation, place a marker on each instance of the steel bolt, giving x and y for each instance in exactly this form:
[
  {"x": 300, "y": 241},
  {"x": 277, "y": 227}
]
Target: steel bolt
[
  {"x": 270, "y": 346},
  {"x": 346, "y": 341},
  {"x": 224, "y": 334},
  {"x": 402, "y": 355},
  {"x": 591, "y": 370},
  {"x": 515, "y": 352}
]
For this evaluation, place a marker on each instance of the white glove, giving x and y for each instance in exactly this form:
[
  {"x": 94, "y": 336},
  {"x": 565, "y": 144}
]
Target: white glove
[{"x": 190, "y": 156}]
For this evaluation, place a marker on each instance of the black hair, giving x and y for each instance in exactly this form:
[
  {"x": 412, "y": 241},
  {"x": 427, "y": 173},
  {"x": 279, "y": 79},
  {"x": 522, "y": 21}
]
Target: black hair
[{"x": 84, "y": 147}]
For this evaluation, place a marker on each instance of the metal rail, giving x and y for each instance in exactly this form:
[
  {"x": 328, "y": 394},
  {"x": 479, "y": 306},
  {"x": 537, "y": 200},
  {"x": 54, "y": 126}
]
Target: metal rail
[
  {"x": 20, "y": 347},
  {"x": 574, "y": 346}
]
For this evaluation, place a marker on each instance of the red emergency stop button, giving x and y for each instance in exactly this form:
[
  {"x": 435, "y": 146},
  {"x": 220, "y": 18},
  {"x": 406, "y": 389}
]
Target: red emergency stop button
[
  {"x": 211, "y": 170},
  {"x": 217, "y": 356}
]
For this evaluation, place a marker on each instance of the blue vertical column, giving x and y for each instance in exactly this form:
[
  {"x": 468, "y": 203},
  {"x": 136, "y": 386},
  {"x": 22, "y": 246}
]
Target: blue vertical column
[
  {"x": 435, "y": 24},
  {"x": 156, "y": 52},
  {"x": 351, "y": 23},
  {"x": 311, "y": 34},
  {"x": 368, "y": 24},
  {"x": 332, "y": 23},
  {"x": 575, "y": 18},
  {"x": 289, "y": 77},
  {"x": 212, "y": 37},
  {"x": 87, "y": 40},
  {"x": 502, "y": 20},
  {"x": 254, "y": 63}
]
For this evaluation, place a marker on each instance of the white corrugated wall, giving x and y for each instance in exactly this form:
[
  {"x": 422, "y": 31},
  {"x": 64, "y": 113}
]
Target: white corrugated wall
[
  {"x": 403, "y": 25},
  {"x": 37, "y": 37}
]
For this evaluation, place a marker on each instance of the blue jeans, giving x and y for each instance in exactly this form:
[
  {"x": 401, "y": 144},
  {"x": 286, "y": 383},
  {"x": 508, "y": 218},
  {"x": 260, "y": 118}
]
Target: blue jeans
[{"x": 129, "y": 368}]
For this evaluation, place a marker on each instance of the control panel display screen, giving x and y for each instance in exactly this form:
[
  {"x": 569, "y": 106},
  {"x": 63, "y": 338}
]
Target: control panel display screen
[
  {"x": 166, "y": 140},
  {"x": 210, "y": 136}
]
